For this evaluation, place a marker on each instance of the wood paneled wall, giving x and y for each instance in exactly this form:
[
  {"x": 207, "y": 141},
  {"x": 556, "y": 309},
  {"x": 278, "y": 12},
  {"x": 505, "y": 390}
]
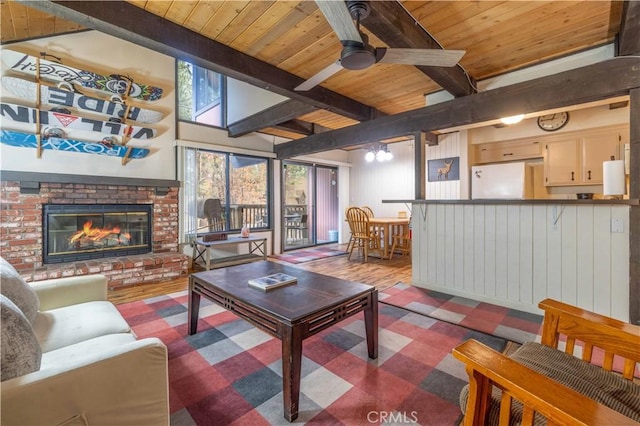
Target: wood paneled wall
[
  {"x": 449, "y": 145},
  {"x": 518, "y": 254}
]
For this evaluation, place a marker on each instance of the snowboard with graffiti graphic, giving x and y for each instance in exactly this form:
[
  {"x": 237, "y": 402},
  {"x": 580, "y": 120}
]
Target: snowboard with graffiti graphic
[
  {"x": 27, "y": 140},
  {"x": 57, "y": 72},
  {"x": 60, "y": 120},
  {"x": 60, "y": 97}
]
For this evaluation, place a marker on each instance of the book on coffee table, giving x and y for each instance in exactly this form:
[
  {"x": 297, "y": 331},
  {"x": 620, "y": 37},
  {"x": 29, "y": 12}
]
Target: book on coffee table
[{"x": 269, "y": 282}]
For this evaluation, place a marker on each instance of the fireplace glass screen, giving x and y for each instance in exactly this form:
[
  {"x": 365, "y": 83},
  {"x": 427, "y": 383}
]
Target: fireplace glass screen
[{"x": 82, "y": 232}]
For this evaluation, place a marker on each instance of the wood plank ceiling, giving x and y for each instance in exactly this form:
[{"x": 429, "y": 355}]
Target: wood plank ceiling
[{"x": 294, "y": 36}]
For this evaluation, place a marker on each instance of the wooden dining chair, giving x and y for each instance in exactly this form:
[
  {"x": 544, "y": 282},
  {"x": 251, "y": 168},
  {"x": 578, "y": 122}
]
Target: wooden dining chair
[
  {"x": 401, "y": 243},
  {"x": 363, "y": 239},
  {"x": 368, "y": 211},
  {"x": 350, "y": 243}
]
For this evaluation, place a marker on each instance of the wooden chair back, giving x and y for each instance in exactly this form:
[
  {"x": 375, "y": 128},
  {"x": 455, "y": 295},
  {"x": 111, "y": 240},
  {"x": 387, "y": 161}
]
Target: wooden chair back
[
  {"x": 358, "y": 222},
  {"x": 361, "y": 235},
  {"x": 595, "y": 332},
  {"x": 539, "y": 394}
]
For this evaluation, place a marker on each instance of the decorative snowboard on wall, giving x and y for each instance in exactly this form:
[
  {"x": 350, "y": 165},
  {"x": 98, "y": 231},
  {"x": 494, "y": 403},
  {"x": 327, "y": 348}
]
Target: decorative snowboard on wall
[
  {"x": 27, "y": 140},
  {"x": 51, "y": 124},
  {"x": 61, "y": 120},
  {"x": 60, "y": 97},
  {"x": 57, "y": 73}
]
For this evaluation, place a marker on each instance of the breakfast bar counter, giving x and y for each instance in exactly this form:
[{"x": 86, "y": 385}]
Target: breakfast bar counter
[{"x": 515, "y": 253}]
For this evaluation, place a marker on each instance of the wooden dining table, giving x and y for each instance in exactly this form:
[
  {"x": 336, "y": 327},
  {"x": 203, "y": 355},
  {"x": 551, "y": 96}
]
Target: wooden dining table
[{"x": 386, "y": 228}]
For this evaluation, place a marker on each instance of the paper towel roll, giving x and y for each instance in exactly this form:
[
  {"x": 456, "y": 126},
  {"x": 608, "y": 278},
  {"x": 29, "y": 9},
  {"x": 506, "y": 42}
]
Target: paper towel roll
[{"x": 613, "y": 177}]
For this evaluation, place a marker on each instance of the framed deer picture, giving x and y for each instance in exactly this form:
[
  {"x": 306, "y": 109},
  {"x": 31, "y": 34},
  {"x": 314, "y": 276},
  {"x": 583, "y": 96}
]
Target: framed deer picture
[{"x": 443, "y": 169}]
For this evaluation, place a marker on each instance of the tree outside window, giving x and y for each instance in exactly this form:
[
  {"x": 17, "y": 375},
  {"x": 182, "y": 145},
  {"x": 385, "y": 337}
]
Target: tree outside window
[
  {"x": 238, "y": 183},
  {"x": 200, "y": 95}
]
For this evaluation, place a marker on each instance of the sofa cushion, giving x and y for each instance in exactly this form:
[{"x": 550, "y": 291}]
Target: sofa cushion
[
  {"x": 607, "y": 388},
  {"x": 73, "y": 354},
  {"x": 15, "y": 288},
  {"x": 21, "y": 353},
  {"x": 69, "y": 325}
]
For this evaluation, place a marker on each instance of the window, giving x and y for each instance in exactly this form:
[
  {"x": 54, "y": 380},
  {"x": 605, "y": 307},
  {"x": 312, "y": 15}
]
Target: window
[
  {"x": 223, "y": 192},
  {"x": 200, "y": 95}
]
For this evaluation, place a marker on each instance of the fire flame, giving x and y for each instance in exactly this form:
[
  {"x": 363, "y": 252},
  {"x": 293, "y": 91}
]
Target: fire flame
[{"x": 97, "y": 234}]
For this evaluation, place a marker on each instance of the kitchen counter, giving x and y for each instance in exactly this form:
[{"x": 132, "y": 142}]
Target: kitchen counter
[{"x": 514, "y": 253}]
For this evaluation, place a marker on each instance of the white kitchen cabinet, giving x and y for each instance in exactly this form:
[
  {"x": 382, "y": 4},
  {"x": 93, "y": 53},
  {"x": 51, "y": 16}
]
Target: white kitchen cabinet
[
  {"x": 496, "y": 152},
  {"x": 577, "y": 159},
  {"x": 597, "y": 148},
  {"x": 561, "y": 162}
]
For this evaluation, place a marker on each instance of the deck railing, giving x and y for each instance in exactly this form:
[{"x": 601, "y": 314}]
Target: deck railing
[{"x": 253, "y": 215}]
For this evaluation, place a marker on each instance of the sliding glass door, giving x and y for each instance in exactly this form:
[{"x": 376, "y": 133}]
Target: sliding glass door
[{"x": 309, "y": 205}]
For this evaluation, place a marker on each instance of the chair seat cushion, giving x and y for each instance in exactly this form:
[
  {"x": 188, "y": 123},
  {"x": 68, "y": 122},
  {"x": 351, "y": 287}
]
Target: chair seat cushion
[
  {"x": 607, "y": 388},
  {"x": 69, "y": 325}
]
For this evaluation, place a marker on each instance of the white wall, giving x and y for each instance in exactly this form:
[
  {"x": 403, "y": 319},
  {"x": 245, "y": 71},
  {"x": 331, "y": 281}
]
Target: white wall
[
  {"x": 244, "y": 100},
  {"x": 207, "y": 135},
  {"x": 101, "y": 53},
  {"x": 449, "y": 145},
  {"x": 373, "y": 182}
]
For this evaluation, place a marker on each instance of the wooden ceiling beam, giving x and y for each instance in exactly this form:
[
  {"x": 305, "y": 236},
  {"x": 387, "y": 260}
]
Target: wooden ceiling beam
[
  {"x": 296, "y": 126},
  {"x": 134, "y": 24},
  {"x": 392, "y": 24},
  {"x": 301, "y": 127},
  {"x": 615, "y": 77},
  {"x": 629, "y": 37},
  {"x": 270, "y": 117}
]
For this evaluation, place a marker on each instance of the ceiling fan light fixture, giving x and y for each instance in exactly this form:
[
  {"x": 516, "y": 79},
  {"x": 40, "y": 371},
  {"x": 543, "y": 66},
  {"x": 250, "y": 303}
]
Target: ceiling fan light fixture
[
  {"x": 383, "y": 153},
  {"x": 356, "y": 56},
  {"x": 379, "y": 152},
  {"x": 514, "y": 119},
  {"x": 370, "y": 156}
]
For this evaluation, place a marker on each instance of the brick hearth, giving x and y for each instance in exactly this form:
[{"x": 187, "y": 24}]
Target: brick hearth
[{"x": 21, "y": 231}]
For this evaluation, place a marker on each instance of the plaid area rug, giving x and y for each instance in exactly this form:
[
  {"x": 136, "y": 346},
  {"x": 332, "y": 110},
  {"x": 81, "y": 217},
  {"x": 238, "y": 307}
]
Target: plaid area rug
[
  {"x": 307, "y": 255},
  {"x": 496, "y": 320},
  {"x": 229, "y": 373}
]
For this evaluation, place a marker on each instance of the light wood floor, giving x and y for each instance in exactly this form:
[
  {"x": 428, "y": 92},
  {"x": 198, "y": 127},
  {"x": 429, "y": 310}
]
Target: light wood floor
[{"x": 377, "y": 272}]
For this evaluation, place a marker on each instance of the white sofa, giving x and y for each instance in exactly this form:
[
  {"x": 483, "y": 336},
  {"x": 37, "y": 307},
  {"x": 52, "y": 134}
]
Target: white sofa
[{"x": 73, "y": 359}]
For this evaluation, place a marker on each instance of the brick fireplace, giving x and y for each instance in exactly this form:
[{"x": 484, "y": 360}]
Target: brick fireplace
[{"x": 23, "y": 200}]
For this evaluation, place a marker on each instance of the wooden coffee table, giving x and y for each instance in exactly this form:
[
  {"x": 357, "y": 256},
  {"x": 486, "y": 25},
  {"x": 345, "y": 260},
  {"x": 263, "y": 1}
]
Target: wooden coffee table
[{"x": 290, "y": 313}]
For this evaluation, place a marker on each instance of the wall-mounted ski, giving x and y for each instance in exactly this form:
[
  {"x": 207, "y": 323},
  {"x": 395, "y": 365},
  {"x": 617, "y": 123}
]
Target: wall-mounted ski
[
  {"x": 56, "y": 96},
  {"x": 56, "y": 72},
  {"x": 27, "y": 140},
  {"x": 23, "y": 114}
]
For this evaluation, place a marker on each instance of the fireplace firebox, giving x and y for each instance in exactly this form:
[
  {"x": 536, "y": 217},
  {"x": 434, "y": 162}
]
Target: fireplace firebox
[{"x": 75, "y": 232}]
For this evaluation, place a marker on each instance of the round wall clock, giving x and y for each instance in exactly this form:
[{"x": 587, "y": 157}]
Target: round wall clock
[{"x": 551, "y": 122}]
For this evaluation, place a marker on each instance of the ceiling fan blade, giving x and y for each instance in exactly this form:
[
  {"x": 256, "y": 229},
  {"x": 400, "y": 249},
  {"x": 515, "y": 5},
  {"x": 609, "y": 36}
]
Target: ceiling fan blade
[
  {"x": 340, "y": 19},
  {"x": 320, "y": 77},
  {"x": 427, "y": 57}
]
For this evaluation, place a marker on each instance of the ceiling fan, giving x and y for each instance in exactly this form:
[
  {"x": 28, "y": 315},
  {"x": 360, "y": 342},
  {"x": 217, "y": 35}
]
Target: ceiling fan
[{"x": 358, "y": 54}]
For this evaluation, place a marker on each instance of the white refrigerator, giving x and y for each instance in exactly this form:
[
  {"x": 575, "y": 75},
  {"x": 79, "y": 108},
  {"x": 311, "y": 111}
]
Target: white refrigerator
[{"x": 508, "y": 181}]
